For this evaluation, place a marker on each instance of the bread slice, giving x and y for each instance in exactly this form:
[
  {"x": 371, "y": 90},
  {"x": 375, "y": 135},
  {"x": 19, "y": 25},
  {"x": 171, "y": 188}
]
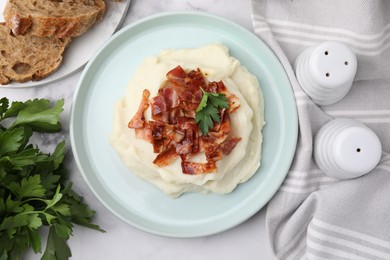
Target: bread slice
[
  {"x": 54, "y": 18},
  {"x": 28, "y": 57}
]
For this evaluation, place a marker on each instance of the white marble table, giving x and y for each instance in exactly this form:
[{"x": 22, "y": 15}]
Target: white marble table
[{"x": 247, "y": 241}]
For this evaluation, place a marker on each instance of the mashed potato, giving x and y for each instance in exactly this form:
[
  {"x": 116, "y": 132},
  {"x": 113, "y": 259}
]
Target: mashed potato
[{"x": 247, "y": 122}]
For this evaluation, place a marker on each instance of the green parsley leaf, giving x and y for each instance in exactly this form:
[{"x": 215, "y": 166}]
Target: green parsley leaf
[
  {"x": 39, "y": 115},
  {"x": 58, "y": 154},
  {"x": 12, "y": 206},
  {"x": 207, "y": 111},
  {"x": 56, "y": 198},
  {"x": 29, "y": 187},
  {"x": 29, "y": 157},
  {"x": 63, "y": 227},
  {"x": 13, "y": 111},
  {"x": 219, "y": 100},
  {"x": 35, "y": 239},
  {"x": 56, "y": 248},
  {"x": 12, "y": 222},
  {"x": 20, "y": 243},
  {"x": 63, "y": 209},
  {"x": 49, "y": 183},
  {"x": 34, "y": 221},
  {"x": 204, "y": 121},
  {"x": 49, "y": 217},
  {"x": 12, "y": 140},
  {"x": 203, "y": 102}
]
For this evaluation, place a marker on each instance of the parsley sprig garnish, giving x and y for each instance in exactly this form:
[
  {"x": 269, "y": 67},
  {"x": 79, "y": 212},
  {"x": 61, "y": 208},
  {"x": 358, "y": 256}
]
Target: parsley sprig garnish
[
  {"x": 34, "y": 187},
  {"x": 207, "y": 111}
]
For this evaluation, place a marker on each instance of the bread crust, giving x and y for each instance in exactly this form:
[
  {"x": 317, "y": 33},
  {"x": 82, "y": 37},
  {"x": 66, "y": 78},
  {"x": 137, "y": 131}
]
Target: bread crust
[
  {"x": 28, "y": 57},
  {"x": 59, "y": 23}
]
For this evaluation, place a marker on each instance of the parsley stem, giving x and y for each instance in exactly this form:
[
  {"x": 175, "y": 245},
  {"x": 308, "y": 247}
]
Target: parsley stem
[
  {"x": 32, "y": 212},
  {"x": 32, "y": 199}
]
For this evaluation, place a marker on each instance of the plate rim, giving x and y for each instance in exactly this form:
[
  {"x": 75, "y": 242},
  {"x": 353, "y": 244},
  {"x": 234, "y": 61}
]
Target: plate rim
[{"x": 287, "y": 163}]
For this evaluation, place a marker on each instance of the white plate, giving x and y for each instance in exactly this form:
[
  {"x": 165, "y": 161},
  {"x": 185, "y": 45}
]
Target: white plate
[{"x": 82, "y": 48}]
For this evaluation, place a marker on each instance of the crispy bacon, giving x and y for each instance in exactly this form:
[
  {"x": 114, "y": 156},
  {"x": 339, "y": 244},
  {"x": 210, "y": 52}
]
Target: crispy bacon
[
  {"x": 138, "y": 121},
  {"x": 186, "y": 96},
  {"x": 211, "y": 148},
  {"x": 184, "y": 123},
  {"x": 218, "y": 137},
  {"x": 195, "y": 146},
  {"x": 222, "y": 88},
  {"x": 212, "y": 87},
  {"x": 157, "y": 131},
  {"x": 214, "y": 156},
  {"x": 158, "y": 105},
  {"x": 191, "y": 97},
  {"x": 186, "y": 145},
  {"x": 174, "y": 113},
  {"x": 229, "y": 145},
  {"x": 162, "y": 135},
  {"x": 205, "y": 142},
  {"x": 144, "y": 133},
  {"x": 189, "y": 109},
  {"x": 193, "y": 168},
  {"x": 177, "y": 76},
  {"x": 179, "y": 136},
  {"x": 173, "y": 131},
  {"x": 195, "y": 80},
  {"x": 223, "y": 127},
  {"x": 234, "y": 102},
  {"x": 225, "y": 122},
  {"x": 165, "y": 105},
  {"x": 170, "y": 134},
  {"x": 162, "y": 117},
  {"x": 197, "y": 96},
  {"x": 170, "y": 96},
  {"x": 166, "y": 157}
]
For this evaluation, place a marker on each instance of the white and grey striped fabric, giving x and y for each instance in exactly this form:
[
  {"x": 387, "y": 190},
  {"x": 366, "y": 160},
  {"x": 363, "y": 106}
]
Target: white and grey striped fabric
[{"x": 313, "y": 216}]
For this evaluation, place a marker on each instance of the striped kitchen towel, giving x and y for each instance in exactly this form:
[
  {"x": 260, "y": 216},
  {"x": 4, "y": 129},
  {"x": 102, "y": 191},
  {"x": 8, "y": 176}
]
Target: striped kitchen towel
[{"x": 314, "y": 216}]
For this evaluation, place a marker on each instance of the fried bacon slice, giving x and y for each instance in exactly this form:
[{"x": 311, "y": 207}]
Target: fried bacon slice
[
  {"x": 162, "y": 135},
  {"x": 170, "y": 97},
  {"x": 158, "y": 105},
  {"x": 166, "y": 157},
  {"x": 138, "y": 121},
  {"x": 229, "y": 145},
  {"x": 195, "y": 80},
  {"x": 189, "y": 144},
  {"x": 177, "y": 76},
  {"x": 144, "y": 133},
  {"x": 173, "y": 131},
  {"x": 193, "y": 168},
  {"x": 234, "y": 102}
]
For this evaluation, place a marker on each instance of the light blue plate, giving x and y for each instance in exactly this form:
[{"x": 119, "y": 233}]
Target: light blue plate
[{"x": 139, "y": 203}]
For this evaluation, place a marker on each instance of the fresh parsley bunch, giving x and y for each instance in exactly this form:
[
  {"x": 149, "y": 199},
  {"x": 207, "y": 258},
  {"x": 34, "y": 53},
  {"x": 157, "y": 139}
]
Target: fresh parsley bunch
[{"x": 34, "y": 186}]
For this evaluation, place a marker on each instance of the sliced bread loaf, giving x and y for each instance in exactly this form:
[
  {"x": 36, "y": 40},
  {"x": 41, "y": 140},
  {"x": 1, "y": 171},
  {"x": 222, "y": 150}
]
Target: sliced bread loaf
[
  {"x": 55, "y": 18},
  {"x": 28, "y": 57}
]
